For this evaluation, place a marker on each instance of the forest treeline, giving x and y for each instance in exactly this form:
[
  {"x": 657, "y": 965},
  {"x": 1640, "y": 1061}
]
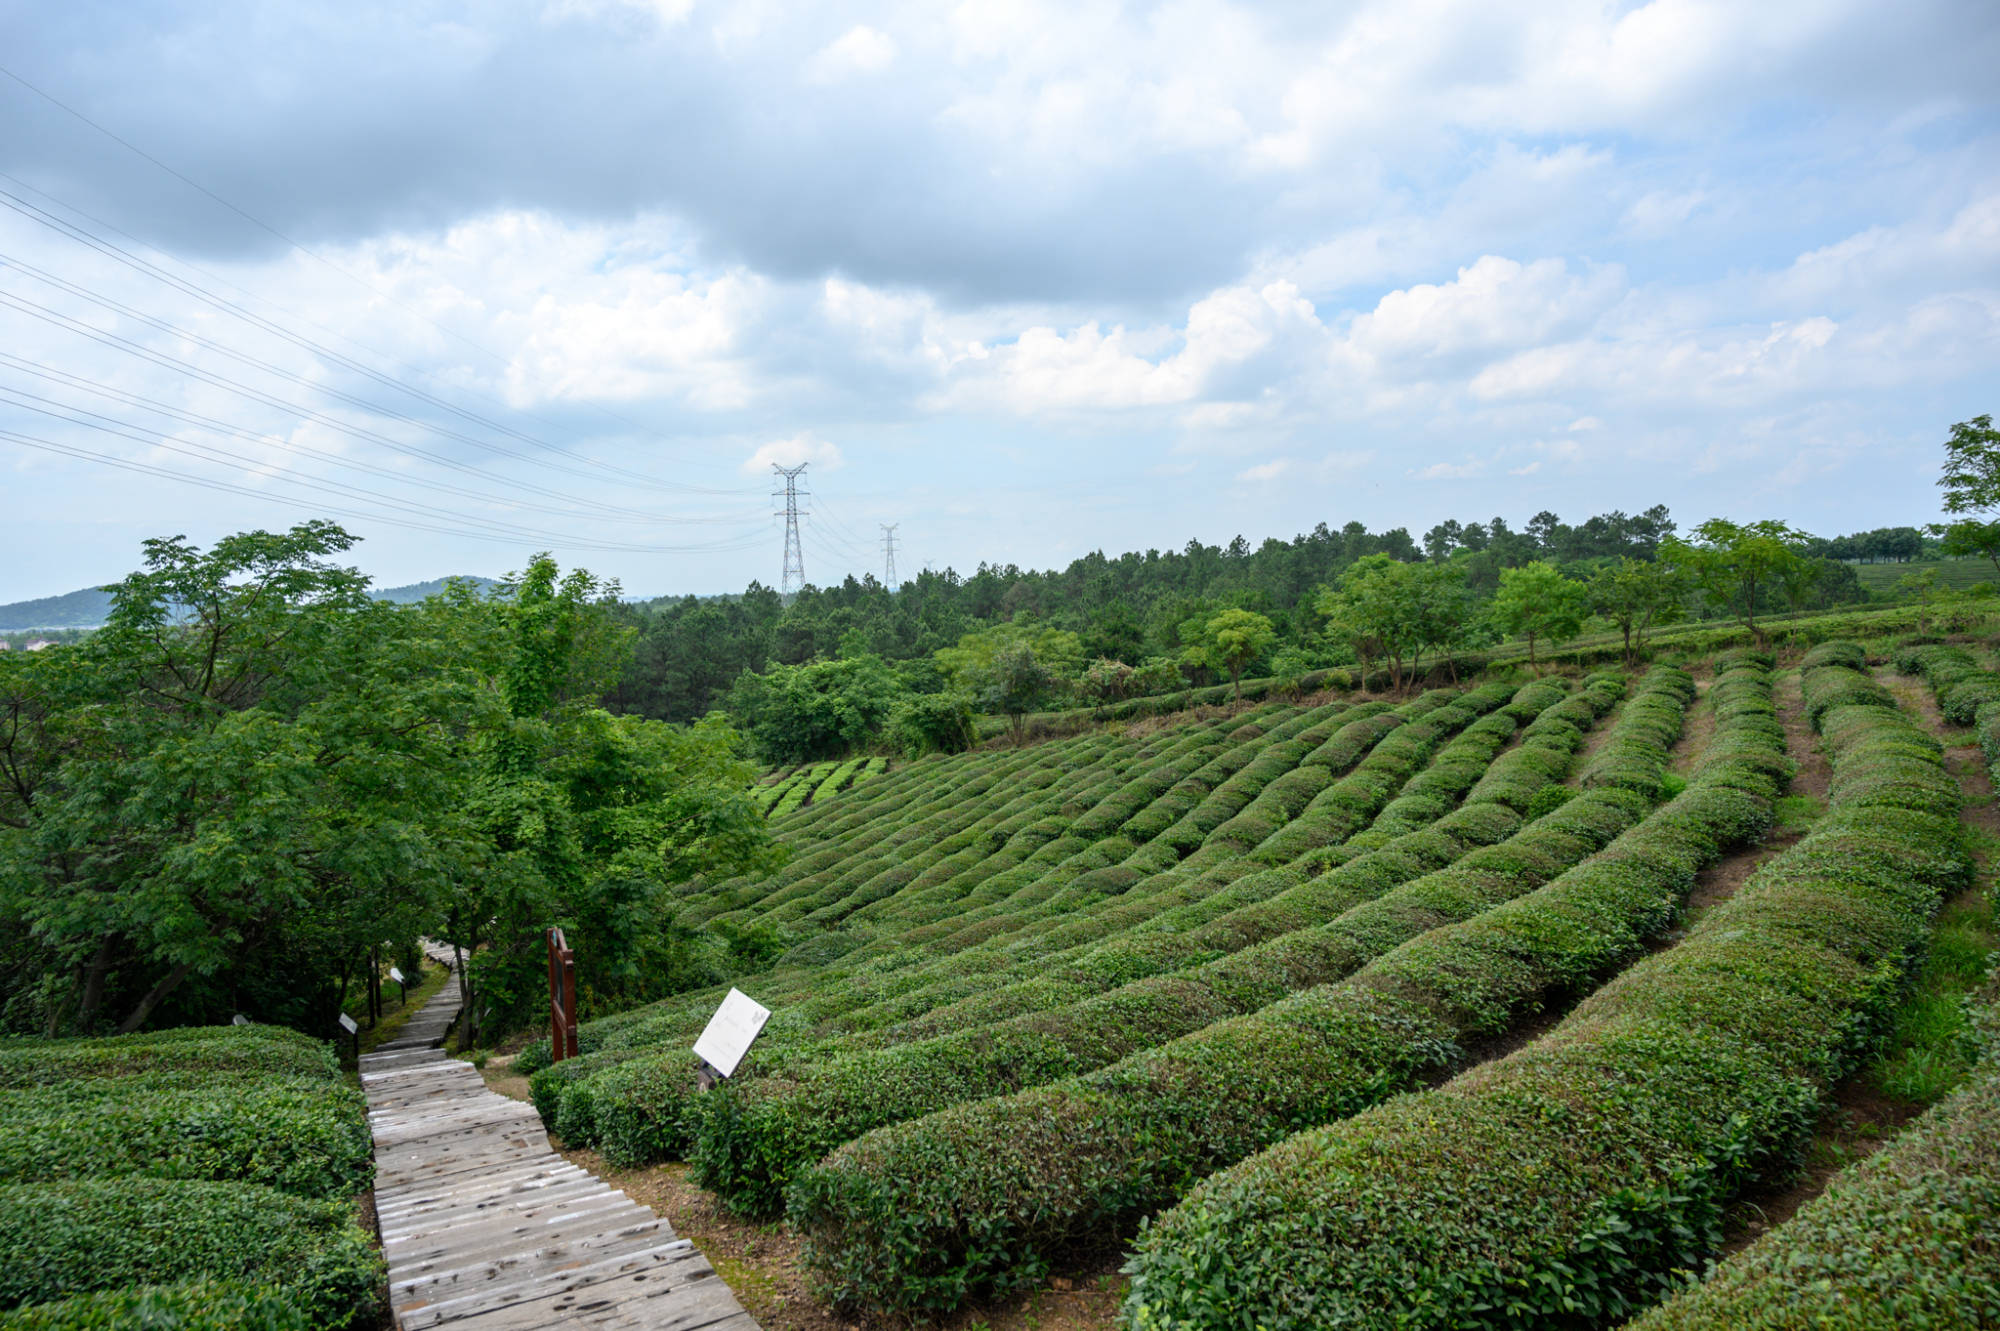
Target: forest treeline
[{"x": 1109, "y": 627}]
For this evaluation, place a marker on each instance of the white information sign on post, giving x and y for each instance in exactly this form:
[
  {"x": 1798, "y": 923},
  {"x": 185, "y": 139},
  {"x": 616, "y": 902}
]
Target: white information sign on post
[
  {"x": 347, "y": 1024},
  {"x": 729, "y": 1033},
  {"x": 396, "y": 974},
  {"x": 239, "y": 1020}
]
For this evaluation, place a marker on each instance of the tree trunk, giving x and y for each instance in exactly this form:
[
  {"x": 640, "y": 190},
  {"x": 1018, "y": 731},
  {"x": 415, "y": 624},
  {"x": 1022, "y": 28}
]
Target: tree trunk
[
  {"x": 467, "y": 1020},
  {"x": 167, "y": 985},
  {"x": 93, "y": 987}
]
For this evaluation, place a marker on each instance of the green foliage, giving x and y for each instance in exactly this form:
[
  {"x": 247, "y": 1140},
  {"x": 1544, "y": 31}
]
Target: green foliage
[
  {"x": 283, "y": 1260},
  {"x": 933, "y": 723},
  {"x": 1733, "y": 564},
  {"x": 1604, "y": 1155},
  {"x": 1636, "y": 594},
  {"x": 1904, "y": 1239},
  {"x": 1538, "y": 603},
  {"x": 1230, "y": 642},
  {"x": 195, "y": 1305},
  {"x": 1383, "y": 608},
  {"x": 980, "y": 1198},
  {"x": 822, "y": 709}
]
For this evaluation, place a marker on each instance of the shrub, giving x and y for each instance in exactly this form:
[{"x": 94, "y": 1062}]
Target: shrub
[
  {"x": 1602, "y": 1156},
  {"x": 1906, "y": 1239},
  {"x": 300, "y": 1135},
  {"x": 249, "y": 1051},
  {"x": 979, "y": 1198},
  {"x": 84, "y": 1236}
]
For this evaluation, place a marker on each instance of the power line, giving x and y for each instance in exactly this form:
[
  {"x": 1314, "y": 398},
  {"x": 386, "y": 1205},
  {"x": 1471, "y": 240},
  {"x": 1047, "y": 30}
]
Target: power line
[
  {"x": 195, "y": 290},
  {"x": 425, "y": 514},
  {"x": 794, "y": 575},
  {"x": 273, "y": 231},
  {"x": 51, "y": 316}
]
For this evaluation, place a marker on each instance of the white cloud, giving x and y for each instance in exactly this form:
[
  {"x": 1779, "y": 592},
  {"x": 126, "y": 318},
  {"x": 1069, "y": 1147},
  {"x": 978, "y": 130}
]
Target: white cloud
[
  {"x": 1265, "y": 471},
  {"x": 1449, "y": 471},
  {"x": 1494, "y": 305},
  {"x": 799, "y": 448},
  {"x": 861, "y": 50},
  {"x": 1661, "y": 211},
  {"x": 1090, "y": 368}
]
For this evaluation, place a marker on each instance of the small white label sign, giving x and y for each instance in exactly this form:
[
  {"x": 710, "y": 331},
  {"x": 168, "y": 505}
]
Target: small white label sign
[
  {"x": 347, "y": 1024},
  {"x": 240, "y": 1020},
  {"x": 731, "y": 1031},
  {"x": 396, "y": 974}
]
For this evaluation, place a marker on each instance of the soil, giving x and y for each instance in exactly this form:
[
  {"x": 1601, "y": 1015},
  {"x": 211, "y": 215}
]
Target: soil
[
  {"x": 1697, "y": 729},
  {"x": 761, "y": 1262}
]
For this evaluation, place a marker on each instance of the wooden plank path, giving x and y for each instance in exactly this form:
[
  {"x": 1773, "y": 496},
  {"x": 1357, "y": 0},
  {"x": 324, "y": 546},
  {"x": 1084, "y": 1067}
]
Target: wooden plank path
[{"x": 485, "y": 1227}]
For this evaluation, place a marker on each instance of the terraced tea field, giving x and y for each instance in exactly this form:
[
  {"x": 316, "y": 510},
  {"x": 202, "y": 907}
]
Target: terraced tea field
[{"x": 1341, "y": 1012}]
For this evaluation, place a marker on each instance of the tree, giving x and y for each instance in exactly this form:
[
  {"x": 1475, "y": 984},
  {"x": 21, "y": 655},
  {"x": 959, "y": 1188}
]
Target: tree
[
  {"x": 1636, "y": 594},
  {"x": 1971, "y": 485},
  {"x": 1732, "y": 563},
  {"x": 252, "y": 775},
  {"x": 802, "y": 713},
  {"x": 1013, "y": 669},
  {"x": 1399, "y": 610},
  {"x": 1537, "y": 602},
  {"x": 1231, "y": 641}
]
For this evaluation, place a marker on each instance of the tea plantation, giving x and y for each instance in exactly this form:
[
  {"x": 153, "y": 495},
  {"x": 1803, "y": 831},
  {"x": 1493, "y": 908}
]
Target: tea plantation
[{"x": 1346, "y": 1012}]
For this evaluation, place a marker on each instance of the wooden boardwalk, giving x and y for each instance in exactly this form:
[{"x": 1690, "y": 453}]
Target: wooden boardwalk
[{"x": 484, "y": 1226}]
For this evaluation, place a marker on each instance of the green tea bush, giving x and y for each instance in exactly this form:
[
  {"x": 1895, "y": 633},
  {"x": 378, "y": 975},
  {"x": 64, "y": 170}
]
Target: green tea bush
[
  {"x": 982, "y": 1197},
  {"x": 1602, "y": 1157},
  {"x": 234, "y": 1051},
  {"x": 307, "y": 1136},
  {"x": 99, "y": 1236},
  {"x": 196, "y": 1305},
  {"x": 1909, "y": 1238}
]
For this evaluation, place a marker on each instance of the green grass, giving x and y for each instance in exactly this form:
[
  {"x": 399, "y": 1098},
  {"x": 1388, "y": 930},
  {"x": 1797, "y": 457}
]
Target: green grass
[
  {"x": 1797, "y": 813},
  {"x": 1929, "y": 1050}
]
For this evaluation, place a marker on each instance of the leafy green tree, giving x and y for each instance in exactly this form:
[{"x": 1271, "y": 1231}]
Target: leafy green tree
[
  {"x": 798, "y": 714},
  {"x": 933, "y": 723},
  {"x": 1733, "y": 563},
  {"x": 1014, "y": 668},
  {"x": 252, "y": 760},
  {"x": 1383, "y": 606},
  {"x": 1636, "y": 594},
  {"x": 1537, "y": 602},
  {"x": 1230, "y": 642},
  {"x": 1971, "y": 485}
]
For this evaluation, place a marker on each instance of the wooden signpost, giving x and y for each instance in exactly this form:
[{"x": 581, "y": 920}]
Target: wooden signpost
[
  {"x": 353, "y": 1029},
  {"x": 402, "y": 985},
  {"x": 562, "y": 998}
]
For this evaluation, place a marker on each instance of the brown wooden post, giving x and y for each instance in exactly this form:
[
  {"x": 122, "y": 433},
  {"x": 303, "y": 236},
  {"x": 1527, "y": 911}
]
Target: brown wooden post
[{"x": 562, "y": 998}]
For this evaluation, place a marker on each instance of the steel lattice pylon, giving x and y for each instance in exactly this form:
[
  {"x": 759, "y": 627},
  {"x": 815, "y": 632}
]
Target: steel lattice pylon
[{"x": 794, "y": 576}]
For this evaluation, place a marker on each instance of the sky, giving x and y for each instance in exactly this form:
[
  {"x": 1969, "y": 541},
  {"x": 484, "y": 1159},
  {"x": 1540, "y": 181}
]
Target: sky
[{"x": 1024, "y": 280}]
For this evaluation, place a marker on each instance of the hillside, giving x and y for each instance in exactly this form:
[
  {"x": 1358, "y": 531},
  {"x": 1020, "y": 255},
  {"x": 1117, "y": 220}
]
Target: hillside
[
  {"x": 1024, "y": 997},
  {"x": 89, "y": 607}
]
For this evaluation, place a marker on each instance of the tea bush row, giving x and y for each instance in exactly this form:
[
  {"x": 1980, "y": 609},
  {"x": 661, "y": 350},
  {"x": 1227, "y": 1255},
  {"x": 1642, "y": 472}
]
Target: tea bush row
[
  {"x": 1908, "y": 1240},
  {"x": 986, "y": 1196},
  {"x": 1603, "y": 1156}
]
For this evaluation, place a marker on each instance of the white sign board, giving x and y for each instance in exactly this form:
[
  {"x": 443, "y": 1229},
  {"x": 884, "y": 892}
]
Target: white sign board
[
  {"x": 731, "y": 1030},
  {"x": 347, "y": 1024},
  {"x": 240, "y": 1020},
  {"x": 396, "y": 974}
]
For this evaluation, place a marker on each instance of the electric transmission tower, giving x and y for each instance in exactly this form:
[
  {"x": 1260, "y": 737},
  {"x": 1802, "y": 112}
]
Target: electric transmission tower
[
  {"x": 889, "y": 554},
  {"x": 794, "y": 576}
]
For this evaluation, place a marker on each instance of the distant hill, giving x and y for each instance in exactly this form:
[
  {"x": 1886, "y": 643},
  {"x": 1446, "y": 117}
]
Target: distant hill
[{"x": 89, "y": 608}]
